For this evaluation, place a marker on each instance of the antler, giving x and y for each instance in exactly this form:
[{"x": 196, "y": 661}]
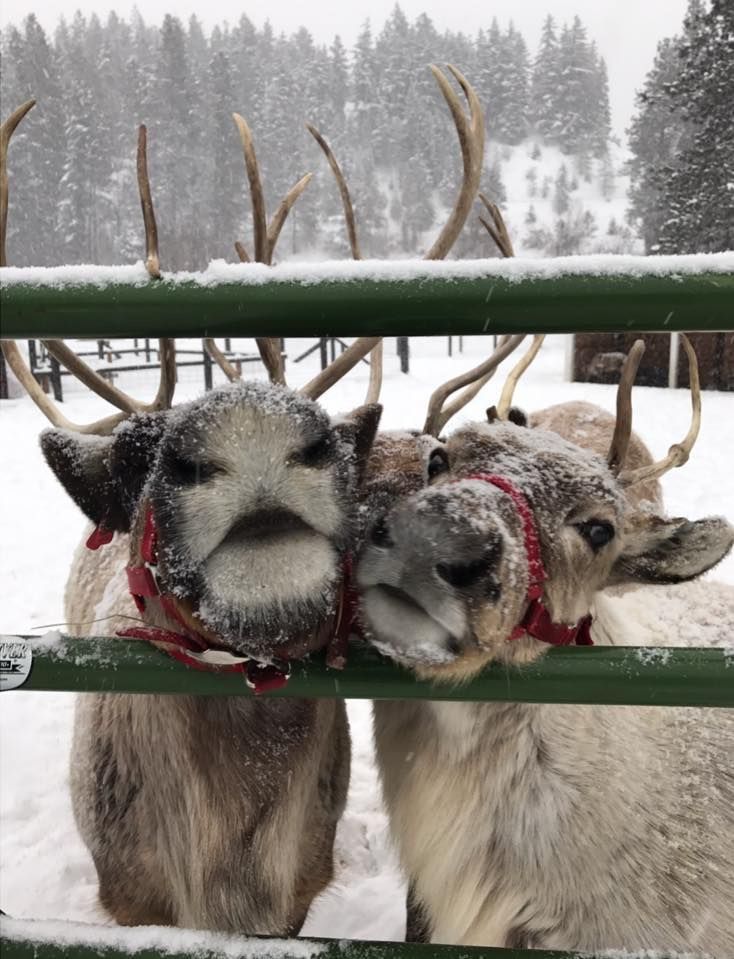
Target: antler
[
  {"x": 376, "y": 355},
  {"x": 95, "y": 382},
  {"x": 265, "y": 237},
  {"x": 497, "y": 229},
  {"x": 221, "y": 360},
  {"x": 678, "y": 453},
  {"x": 152, "y": 259},
  {"x": 7, "y": 129},
  {"x": 341, "y": 366},
  {"x": 343, "y": 191},
  {"x": 470, "y": 130},
  {"x": 437, "y": 417},
  {"x": 623, "y": 425},
  {"x": 508, "y": 390}
]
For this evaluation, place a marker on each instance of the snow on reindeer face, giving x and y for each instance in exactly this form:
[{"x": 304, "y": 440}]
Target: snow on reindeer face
[
  {"x": 444, "y": 575},
  {"x": 252, "y": 490}
]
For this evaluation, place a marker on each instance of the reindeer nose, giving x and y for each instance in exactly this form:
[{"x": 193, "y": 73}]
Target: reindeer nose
[
  {"x": 380, "y": 533},
  {"x": 462, "y": 575}
]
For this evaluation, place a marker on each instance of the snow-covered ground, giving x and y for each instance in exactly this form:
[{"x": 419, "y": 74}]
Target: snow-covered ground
[{"x": 45, "y": 871}]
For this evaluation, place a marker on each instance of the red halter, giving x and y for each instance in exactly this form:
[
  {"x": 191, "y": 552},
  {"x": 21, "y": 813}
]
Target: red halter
[
  {"x": 537, "y": 620},
  {"x": 194, "y": 649}
]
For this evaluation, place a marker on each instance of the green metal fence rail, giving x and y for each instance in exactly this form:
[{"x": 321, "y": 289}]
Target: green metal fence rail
[
  {"x": 435, "y": 304},
  {"x": 20, "y": 942},
  {"x": 609, "y": 675}
]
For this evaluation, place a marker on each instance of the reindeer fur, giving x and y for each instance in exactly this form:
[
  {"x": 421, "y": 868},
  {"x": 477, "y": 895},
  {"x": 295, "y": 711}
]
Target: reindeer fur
[{"x": 216, "y": 812}]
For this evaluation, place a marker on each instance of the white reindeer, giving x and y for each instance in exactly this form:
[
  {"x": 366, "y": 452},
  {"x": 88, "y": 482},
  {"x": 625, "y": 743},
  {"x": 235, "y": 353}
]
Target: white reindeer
[{"x": 546, "y": 826}]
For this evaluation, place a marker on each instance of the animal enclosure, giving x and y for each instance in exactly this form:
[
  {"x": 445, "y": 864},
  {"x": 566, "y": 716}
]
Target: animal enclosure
[{"x": 399, "y": 300}]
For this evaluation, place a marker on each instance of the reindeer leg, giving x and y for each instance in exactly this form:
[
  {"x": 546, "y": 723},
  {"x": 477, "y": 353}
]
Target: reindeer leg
[{"x": 418, "y": 926}]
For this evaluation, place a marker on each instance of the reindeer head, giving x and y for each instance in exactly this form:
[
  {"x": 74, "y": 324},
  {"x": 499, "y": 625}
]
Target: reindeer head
[
  {"x": 448, "y": 575},
  {"x": 250, "y": 489}
]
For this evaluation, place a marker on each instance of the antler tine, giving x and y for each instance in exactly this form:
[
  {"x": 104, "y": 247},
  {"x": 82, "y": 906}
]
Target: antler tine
[
  {"x": 284, "y": 208},
  {"x": 221, "y": 360},
  {"x": 259, "y": 221},
  {"x": 375, "y": 384},
  {"x": 469, "y": 392},
  {"x": 27, "y": 380},
  {"x": 678, "y": 453},
  {"x": 508, "y": 390},
  {"x": 166, "y": 346},
  {"x": 340, "y": 367},
  {"x": 343, "y": 191},
  {"x": 152, "y": 259},
  {"x": 242, "y": 252},
  {"x": 623, "y": 425},
  {"x": 7, "y": 129},
  {"x": 497, "y": 229},
  {"x": 376, "y": 355},
  {"x": 269, "y": 348},
  {"x": 471, "y": 140},
  {"x": 169, "y": 376},
  {"x": 437, "y": 417}
]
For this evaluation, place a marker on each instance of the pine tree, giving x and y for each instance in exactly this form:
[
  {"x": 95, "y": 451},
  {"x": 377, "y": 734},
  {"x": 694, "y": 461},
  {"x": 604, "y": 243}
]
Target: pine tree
[
  {"x": 577, "y": 66},
  {"x": 561, "y": 195},
  {"x": 698, "y": 195},
  {"x": 36, "y": 160},
  {"x": 545, "y": 85},
  {"x": 509, "y": 118}
]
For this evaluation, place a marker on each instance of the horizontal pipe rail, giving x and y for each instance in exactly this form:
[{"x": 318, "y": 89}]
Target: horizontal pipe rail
[
  {"x": 26, "y": 939},
  {"x": 433, "y": 304},
  {"x": 606, "y": 675}
]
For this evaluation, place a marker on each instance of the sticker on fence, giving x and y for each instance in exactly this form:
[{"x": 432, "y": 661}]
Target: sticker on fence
[{"x": 15, "y": 661}]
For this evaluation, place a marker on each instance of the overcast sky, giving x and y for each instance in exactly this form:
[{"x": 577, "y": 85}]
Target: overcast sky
[{"x": 627, "y": 31}]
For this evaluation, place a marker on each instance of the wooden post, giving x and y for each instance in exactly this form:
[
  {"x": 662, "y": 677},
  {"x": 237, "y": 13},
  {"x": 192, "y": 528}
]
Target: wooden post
[
  {"x": 208, "y": 377},
  {"x": 56, "y": 380},
  {"x": 4, "y": 392},
  {"x": 404, "y": 353}
]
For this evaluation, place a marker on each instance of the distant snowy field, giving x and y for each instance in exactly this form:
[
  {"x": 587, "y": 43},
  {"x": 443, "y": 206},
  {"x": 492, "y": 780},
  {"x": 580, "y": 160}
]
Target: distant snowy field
[{"x": 45, "y": 871}]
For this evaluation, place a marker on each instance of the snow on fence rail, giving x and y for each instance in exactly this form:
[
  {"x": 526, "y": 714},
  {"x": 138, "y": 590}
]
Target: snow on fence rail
[
  {"x": 28, "y": 939},
  {"x": 608, "y": 675},
  {"x": 571, "y": 294}
]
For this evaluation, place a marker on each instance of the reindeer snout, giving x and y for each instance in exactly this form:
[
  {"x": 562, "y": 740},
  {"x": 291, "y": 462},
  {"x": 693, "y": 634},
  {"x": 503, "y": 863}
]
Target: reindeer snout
[{"x": 470, "y": 571}]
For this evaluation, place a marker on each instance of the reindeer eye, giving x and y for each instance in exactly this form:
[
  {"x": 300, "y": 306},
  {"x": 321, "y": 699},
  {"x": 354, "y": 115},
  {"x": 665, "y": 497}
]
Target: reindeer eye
[
  {"x": 316, "y": 454},
  {"x": 596, "y": 532},
  {"x": 186, "y": 472},
  {"x": 438, "y": 462}
]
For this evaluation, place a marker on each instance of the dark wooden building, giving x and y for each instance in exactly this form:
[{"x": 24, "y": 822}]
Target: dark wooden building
[{"x": 598, "y": 357}]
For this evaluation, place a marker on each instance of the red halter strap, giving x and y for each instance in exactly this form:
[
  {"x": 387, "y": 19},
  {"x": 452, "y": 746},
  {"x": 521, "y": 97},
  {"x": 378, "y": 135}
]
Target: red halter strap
[
  {"x": 537, "y": 621},
  {"x": 195, "y": 650}
]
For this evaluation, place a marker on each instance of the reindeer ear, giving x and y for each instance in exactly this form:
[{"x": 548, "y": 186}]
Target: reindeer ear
[
  {"x": 359, "y": 429},
  {"x": 104, "y": 475},
  {"x": 671, "y": 551},
  {"x": 81, "y": 464}
]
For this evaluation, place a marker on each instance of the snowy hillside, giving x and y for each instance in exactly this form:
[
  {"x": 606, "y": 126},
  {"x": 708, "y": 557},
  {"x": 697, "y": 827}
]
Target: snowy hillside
[
  {"x": 559, "y": 204},
  {"x": 45, "y": 871}
]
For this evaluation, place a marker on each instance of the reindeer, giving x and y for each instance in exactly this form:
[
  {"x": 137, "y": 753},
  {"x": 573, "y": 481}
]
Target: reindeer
[
  {"x": 233, "y": 520},
  {"x": 556, "y": 827}
]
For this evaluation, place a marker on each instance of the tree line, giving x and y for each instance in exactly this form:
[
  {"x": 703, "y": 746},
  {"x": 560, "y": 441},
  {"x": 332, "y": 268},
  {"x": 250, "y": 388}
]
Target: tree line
[{"x": 72, "y": 162}]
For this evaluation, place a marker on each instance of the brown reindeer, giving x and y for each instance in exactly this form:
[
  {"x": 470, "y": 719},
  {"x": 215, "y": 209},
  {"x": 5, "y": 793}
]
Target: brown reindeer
[
  {"x": 556, "y": 827},
  {"x": 233, "y": 519}
]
